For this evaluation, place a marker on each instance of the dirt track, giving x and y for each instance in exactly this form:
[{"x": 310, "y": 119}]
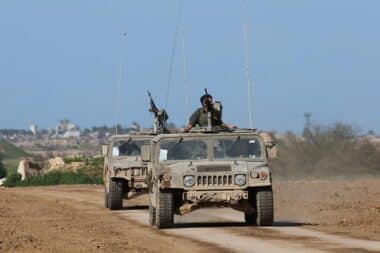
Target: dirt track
[{"x": 317, "y": 216}]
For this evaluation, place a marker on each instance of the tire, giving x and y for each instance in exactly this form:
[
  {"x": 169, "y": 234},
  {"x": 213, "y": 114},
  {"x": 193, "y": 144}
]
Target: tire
[
  {"x": 264, "y": 207},
  {"x": 152, "y": 215},
  {"x": 115, "y": 198},
  {"x": 164, "y": 210}
]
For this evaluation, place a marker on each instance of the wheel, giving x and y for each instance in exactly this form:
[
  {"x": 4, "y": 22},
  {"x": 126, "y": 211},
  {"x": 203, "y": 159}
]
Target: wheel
[
  {"x": 164, "y": 210},
  {"x": 115, "y": 197},
  {"x": 152, "y": 215},
  {"x": 106, "y": 197},
  {"x": 264, "y": 207}
]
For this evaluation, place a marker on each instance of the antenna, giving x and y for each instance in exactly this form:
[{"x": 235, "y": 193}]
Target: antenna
[
  {"x": 118, "y": 88},
  {"x": 185, "y": 79},
  {"x": 173, "y": 52},
  {"x": 245, "y": 34}
]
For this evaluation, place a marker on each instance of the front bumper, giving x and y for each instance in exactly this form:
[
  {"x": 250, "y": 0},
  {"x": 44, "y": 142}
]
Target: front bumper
[{"x": 215, "y": 196}]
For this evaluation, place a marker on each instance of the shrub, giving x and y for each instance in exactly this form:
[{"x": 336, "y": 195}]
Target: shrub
[
  {"x": 68, "y": 160},
  {"x": 13, "y": 178},
  {"x": 57, "y": 178},
  {"x": 3, "y": 172},
  {"x": 327, "y": 151}
]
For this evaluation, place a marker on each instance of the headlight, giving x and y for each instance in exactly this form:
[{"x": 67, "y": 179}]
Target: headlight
[
  {"x": 260, "y": 172},
  {"x": 240, "y": 180},
  {"x": 189, "y": 181}
]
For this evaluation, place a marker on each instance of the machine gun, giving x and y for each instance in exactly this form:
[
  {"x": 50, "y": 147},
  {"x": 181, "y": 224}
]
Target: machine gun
[
  {"x": 216, "y": 107},
  {"x": 160, "y": 117}
]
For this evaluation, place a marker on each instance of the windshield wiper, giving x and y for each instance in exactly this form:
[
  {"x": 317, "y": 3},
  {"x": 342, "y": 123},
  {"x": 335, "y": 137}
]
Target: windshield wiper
[{"x": 179, "y": 140}]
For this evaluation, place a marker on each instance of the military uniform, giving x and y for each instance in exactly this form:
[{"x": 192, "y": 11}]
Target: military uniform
[{"x": 200, "y": 118}]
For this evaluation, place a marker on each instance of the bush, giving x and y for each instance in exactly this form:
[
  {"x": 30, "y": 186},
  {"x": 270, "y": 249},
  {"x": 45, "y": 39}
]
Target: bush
[
  {"x": 56, "y": 178},
  {"x": 3, "y": 172},
  {"x": 69, "y": 160},
  {"x": 13, "y": 178}
]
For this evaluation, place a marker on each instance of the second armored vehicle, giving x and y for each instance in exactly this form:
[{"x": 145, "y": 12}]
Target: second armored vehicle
[{"x": 124, "y": 171}]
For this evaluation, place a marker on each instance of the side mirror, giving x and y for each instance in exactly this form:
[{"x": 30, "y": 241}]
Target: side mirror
[
  {"x": 146, "y": 153},
  {"x": 270, "y": 144},
  {"x": 272, "y": 150},
  {"x": 104, "y": 150}
]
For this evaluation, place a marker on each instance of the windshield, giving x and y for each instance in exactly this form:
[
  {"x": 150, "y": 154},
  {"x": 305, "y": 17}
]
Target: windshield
[
  {"x": 128, "y": 147},
  {"x": 237, "y": 148},
  {"x": 180, "y": 149}
]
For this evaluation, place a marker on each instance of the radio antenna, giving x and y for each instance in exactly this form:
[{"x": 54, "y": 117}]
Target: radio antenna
[
  {"x": 179, "y": 10},
  {"x": 120, "y": 79},
  {"x": 245, "y": 35}
]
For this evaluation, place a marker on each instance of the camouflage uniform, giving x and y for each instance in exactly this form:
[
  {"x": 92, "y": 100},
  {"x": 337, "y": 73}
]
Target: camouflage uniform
[{"x": 200, "y": 118}]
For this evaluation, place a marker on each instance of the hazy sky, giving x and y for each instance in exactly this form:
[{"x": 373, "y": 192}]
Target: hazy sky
[{"x": 60, "y": 59}]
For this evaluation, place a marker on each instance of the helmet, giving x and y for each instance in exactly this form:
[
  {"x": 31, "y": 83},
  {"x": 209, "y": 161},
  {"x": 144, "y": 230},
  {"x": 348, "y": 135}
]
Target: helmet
[{"x": 204, "y": 97}]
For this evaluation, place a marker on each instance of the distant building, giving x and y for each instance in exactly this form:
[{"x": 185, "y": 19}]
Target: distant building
[
  {"x": 94, "y": 134},
  {"x": 71, "y": 134},
  {"x": 134, "y": 127},
  {"x": 34, "y": 129},
  {"x": 66, "y": 129}
]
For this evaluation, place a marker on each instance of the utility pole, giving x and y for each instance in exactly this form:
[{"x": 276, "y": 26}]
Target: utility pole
[
  {"x": 306, "y": 130},
  {"x": 307, "y": 116}
]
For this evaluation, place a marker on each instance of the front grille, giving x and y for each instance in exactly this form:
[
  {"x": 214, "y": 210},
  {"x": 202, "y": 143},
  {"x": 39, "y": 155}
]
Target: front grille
[
  {"x": 219, "y": 180},
  {"x": 136, "y": 172}
]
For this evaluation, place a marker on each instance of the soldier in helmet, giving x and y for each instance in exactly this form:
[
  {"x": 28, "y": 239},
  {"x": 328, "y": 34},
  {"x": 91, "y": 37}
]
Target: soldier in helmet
[{"x": 200, "y": 116}]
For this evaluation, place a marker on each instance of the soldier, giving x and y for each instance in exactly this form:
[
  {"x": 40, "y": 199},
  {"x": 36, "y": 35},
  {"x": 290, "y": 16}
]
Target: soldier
[{"x": 200, "y": 116}]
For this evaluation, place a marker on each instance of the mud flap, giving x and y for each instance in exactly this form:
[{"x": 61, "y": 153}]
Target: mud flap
[{"x": 152, "y": 196}]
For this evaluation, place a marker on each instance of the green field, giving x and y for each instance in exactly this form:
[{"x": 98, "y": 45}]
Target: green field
[{"x": 11, "y": 154}]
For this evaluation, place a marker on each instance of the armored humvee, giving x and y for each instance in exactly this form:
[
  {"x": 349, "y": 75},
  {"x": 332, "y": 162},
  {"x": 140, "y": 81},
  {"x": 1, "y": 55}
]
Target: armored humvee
[
  {"x": 124, "y": 172},
  {"x": 187, "y": 171}
]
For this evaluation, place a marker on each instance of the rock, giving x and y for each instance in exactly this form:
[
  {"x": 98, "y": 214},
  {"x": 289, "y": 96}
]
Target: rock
[
  {"x": 28, "y": 169},
  {"x": 56, "y": 163},
  {"x": 74, "y": 166}
]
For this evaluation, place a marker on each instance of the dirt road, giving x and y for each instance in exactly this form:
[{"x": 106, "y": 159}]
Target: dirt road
[{"x": 311, "y": 216}]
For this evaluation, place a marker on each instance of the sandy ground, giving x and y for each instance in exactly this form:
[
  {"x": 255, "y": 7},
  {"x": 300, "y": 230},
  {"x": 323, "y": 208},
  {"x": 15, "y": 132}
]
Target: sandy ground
[
  {"x": 311, "y": 216},
  {"x": 346, "y": 207}
]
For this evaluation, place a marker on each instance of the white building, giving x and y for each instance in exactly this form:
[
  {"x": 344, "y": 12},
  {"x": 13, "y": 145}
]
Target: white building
[{"x": 33, "y": 128}]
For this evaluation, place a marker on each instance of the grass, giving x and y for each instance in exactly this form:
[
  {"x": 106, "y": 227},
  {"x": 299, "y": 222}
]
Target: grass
[
  {"x": 93, "y": 166},
  {"x": 10, "y": 151},
  {"x": 11, "y": 154}
]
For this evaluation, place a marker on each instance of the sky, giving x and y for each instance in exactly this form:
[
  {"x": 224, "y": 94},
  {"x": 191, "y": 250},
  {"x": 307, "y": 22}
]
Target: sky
[{"x": 90, "y": 61}]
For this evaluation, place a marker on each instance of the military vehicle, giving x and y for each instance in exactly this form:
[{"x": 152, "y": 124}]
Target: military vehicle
[
  {"x": 124, "y": 172},
  {"x": 204, "y": 168}
]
